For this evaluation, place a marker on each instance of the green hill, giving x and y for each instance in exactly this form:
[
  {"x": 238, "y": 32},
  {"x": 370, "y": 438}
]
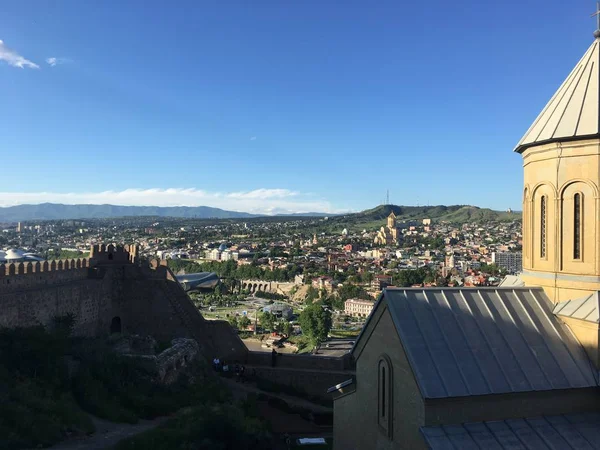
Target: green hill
[{"x": 457, "y": 214}]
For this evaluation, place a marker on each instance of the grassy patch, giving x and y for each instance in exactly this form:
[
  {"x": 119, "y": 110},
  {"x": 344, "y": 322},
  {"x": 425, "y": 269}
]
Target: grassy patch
[
  {"x": 302, "y": 342},
  {"x": 344, "y": 334},
  {"x": 208, "y": 426},
  {"x": 271, "y": 386},
  {"x": 37, "y": 405},
  {"x": 49, "y": 382}
]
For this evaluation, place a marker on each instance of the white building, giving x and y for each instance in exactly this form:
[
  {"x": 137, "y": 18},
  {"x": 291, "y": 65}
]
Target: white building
[
  {"x": 358, "y": 307},
  {"x": 213, "y": 255}
]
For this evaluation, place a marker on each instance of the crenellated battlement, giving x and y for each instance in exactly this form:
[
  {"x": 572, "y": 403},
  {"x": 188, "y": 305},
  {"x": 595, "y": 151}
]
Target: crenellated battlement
[
  {"x": 34, "y": 274},
  {"x": 26, "y": 268},
  {"x": 31, "y": 275},
  {"x": 119, "y": 254},
  {"x": 28, "y": 275}
]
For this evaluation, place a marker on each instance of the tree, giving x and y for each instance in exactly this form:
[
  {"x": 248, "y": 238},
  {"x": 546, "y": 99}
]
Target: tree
[
  {"x": 492, "y": 269},
  {"x": 288, "y": 328},
  {"x": 219, "y": 289},
  {"x": 315, "y": 321},
  {"x": 233, "y": 321},
  {"x": 278, "y": 327},
  {"x": 349, "y": 290},
  {"x": 267, "y": 320},
  {"x": 277, "y": 251},
  {"x": 441, "y": 281},
  {"x": 244, "y": 322},
  {"x": 311, "y": 295},
  {"x": 410, "y": 277},
  {"x": 366, "y": 277}
]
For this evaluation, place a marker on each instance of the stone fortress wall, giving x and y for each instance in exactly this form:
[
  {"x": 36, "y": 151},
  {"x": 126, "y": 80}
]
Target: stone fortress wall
[
  {"x": 34, "y": 293},
  {"x": 111, "y": 291}
]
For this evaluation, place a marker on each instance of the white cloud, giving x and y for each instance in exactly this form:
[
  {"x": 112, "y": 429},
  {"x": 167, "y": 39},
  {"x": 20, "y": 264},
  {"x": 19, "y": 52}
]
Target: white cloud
[
  {"x": 253, "y": 138},
  {"x": 56, "y": 61},
  {"x": 14, "y": 59},
  {"x": 258, "y": 201}
]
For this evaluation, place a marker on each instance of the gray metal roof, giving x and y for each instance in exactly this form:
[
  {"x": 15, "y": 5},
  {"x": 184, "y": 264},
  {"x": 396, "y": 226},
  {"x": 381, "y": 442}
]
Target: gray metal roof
[
  {"x": 512, "y": 281},
  {"x": 465, "y": 341},
  {"x": 568, "y": 432},
  {"x": 585, "y": 308}
]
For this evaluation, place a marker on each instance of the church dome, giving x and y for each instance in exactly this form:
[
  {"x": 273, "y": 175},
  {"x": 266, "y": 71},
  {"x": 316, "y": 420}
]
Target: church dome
[
  {"x": 222, "y": 247},
  {"x": 572, "y": 113}
]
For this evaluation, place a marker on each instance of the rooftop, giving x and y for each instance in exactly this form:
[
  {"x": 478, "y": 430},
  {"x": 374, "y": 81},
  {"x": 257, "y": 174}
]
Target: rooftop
[
  {"x": 572, "y": 113},
  {"x": 568, "y": 432},
  {"x": 463, "y": 342},
  {"x": 585, "y": 308}
]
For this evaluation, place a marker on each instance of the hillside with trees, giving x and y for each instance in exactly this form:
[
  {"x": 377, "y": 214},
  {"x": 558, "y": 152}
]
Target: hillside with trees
[{"x": 440, "y": 213}]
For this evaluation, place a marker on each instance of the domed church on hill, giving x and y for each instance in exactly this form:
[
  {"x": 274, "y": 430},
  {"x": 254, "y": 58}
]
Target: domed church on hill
[
  {"x": 388, "y": 235},
  {"x": 514, "y": 366}
]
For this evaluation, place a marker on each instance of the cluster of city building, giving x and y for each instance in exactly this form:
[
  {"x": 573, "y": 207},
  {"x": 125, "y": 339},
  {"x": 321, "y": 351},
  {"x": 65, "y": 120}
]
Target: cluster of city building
[{"x": 471, "y": 254}]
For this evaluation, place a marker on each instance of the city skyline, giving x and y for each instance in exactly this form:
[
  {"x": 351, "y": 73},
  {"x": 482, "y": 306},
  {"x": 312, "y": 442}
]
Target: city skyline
[{"x": 277, "y": 108}]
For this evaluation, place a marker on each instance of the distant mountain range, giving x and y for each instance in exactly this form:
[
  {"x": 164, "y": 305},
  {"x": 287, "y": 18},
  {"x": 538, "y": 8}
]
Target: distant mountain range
[{"x": 55, "y": 211}]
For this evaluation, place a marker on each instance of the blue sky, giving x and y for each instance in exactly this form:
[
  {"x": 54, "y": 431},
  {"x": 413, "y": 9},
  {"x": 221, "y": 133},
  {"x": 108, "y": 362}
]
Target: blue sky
[{"x": 270, "y": 106}]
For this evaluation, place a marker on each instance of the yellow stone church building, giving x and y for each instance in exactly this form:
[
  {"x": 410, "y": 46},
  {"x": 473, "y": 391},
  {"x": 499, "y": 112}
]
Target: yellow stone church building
[
  {"x": 388, "y": 235},
  {"x": 561, "y": 160}
]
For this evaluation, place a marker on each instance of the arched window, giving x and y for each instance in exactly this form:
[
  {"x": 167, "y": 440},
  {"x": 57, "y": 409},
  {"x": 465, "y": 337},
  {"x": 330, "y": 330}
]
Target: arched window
[
  {"x": 526, "y": 220},
  {"x": 543, "y": 225},
  {"x": 577, "y": 224},
  {"x": 384, "y": 397}
]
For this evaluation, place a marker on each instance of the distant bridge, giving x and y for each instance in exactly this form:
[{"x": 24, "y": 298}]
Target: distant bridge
[{"x": 275, "y": 287}]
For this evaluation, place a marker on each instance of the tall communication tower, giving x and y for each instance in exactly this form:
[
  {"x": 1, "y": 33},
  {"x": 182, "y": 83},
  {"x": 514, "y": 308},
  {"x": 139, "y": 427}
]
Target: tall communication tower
[{"x": 387, "y": 197}]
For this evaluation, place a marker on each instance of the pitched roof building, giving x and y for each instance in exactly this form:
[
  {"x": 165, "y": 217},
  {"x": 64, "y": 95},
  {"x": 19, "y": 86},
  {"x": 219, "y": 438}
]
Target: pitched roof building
[{"x": 509, "y": 367}]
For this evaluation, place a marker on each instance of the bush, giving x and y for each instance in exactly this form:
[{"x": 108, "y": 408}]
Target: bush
[
  {"x": 115, "y": 388},
  {"x": 204, "y": 427},
  {"x": 41, "y": 402},
  {"x": 38, "y": 408}
]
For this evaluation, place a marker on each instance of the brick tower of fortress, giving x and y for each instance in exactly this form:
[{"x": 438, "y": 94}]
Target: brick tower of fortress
[{"x": 111, "y": 291}]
